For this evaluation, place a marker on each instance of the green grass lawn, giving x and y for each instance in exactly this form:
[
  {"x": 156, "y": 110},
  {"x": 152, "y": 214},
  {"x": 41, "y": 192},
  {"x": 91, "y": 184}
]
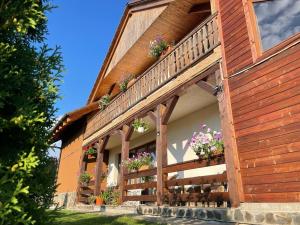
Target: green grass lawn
[{"x": 65, "y": 217}]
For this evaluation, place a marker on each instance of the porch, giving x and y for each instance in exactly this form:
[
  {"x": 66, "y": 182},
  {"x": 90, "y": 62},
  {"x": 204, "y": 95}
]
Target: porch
[{"x": 184, "y": 81}]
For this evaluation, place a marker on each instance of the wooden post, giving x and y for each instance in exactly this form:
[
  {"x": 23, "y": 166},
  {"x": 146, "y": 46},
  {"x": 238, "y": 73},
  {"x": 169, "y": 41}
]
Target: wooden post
[
  {"x": 82, "y": 166},
  {"x": 126, "y": 133},
  {"x": 162, "y": 117},
  {"x": 99, "y": 163},
  {"x": 235, "y": 185}
]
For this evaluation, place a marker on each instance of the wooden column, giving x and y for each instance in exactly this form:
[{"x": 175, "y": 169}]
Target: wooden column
[
  {"x": 235, "y": 185},
  {"x": 126, "y": 133},
  {"x": 99, "y": 163},
  {"x": 163, "y": 114}
]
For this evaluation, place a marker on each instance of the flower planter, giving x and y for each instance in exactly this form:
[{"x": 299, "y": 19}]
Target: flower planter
[
  {"x": 165, "y": 52},
  {"x": 99, "y": 201}
]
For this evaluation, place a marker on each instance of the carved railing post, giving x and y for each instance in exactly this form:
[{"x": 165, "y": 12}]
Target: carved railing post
[{"x": 126, "y": 133}]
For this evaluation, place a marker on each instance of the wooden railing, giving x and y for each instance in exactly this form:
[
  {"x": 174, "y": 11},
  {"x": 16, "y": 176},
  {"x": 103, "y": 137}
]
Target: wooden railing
[
  {"x": 201, "y": 41},
  {"x": 208, "y": 190}
]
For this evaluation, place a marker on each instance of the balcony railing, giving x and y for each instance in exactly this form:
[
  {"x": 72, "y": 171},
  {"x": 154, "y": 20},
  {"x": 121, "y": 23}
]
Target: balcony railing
[
  {"x": 198, "y": 43},
  {"x": 207, "y": 191}
]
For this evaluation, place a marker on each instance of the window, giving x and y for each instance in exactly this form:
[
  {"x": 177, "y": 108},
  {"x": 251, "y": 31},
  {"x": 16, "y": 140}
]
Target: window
[{"x": 277, "y": 20}]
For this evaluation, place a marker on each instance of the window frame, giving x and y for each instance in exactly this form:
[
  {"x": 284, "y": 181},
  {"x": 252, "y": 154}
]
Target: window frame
[{"x": 257, "y": 40}]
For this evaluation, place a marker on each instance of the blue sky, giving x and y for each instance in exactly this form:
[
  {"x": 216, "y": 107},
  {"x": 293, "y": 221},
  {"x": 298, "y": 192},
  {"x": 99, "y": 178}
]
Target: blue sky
[{"x": 84, "y": 30}]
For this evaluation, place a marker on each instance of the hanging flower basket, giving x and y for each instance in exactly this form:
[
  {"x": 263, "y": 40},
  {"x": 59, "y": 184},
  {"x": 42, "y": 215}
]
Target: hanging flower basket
[
  {"x": 140, "y": 126},
  {"x": 207, "y": 143}
]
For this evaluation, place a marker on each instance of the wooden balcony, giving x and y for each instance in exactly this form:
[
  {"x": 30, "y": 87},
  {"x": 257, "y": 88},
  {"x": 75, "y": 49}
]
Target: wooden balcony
[{"x": 194, "y": 47}]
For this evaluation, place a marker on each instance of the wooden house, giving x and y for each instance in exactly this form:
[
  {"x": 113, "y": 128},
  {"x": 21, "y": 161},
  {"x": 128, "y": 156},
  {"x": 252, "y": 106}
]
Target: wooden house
[{"x": 232, "y": 65}]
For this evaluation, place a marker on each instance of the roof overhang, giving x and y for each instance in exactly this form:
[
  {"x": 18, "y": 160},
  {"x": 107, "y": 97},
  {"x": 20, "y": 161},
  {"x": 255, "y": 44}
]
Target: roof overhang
[{"x": 70, "y": 118}]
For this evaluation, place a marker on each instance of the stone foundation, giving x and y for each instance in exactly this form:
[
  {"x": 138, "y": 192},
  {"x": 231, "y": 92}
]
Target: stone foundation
[
  {"x": 66, "y": 200},
  {"x": 242, "y": 215}
]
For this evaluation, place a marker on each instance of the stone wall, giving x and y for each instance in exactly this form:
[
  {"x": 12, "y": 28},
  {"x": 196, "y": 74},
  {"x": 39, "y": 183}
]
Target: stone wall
[
  {"x": 237, "y": 215},
  {"x": 66, "y": 200}
]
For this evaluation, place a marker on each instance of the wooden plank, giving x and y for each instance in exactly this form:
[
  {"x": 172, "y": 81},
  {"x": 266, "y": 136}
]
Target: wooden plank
[
  {"x": 144, "y": 198},
  {"x": 198, "y": 180},
  {"x": 273, "y": 169},
  {"x": 271, "y": 142},
  {"x": 151, "y": 184},
  {"x": 273, "y": 197},
  {"x": 193, "y": 164},
  {"x": 265, "y": 135},
  {"x": 197, "y": 197},
  {"x": 273, "y": 151},
  {"x": 271, "y": 160},
  {"x": 143, "y": 173},
  {"x": 273, "y": 178}
]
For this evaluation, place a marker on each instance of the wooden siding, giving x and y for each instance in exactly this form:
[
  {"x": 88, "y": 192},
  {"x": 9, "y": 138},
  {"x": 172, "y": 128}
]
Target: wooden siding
[
  {"x": 137, "y": 24},
  {"x": 266, "y": 114},
  {"x": 236, "y": 42},
  {"x": 69, "y": 165}
]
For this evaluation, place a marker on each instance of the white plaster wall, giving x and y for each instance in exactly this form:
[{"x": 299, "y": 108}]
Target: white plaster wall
[{"x": 179, "y": 134}]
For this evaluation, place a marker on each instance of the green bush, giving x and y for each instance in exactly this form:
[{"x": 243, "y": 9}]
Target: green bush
[{"x": 30, "y": 72}]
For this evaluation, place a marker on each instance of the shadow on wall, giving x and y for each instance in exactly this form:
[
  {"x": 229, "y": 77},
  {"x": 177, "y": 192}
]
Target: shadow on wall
[{"x": 181, "y": 131}]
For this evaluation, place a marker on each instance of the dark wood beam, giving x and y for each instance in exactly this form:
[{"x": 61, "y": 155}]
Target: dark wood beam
[
  {"x": 100, "y": 146},
  {"x": 235, "y": 185},
  {"x": 201, "y": 8},
  {"x": 163, "y": 114},
  {"x": 152, "y": 115},
  {"x": 211, "y": 89},
  {"x": 171, "y": 103},
  {"x": 161, "y": 153}
]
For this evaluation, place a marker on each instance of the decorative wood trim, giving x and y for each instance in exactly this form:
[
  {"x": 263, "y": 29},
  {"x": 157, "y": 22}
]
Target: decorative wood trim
[
  {"x": 231, "y": 152},
  {"x": 253, "y": 30}
]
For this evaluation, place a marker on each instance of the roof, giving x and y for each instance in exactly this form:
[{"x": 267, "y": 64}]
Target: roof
[
  {"x": 131, "y": 5},
  {"x": 70, "y": 118}
]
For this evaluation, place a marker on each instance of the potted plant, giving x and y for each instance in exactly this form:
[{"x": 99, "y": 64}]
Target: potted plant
[
  {"x": 104, "y": 101},
  {"x": 99, "y": 200},
  {"x": 91, "y": 152},
  {"x": 158, "y": 47},
  {"x": 137, "y": 161},
  {"x": 85, "y": 178},
  {"x": 110, "y": 196},
  {"x": 91, "y": 199},
  {"x": 140, "y": 126},
  {"x": 207, "y": 143},
  {"x": 126, "y": 82}
]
